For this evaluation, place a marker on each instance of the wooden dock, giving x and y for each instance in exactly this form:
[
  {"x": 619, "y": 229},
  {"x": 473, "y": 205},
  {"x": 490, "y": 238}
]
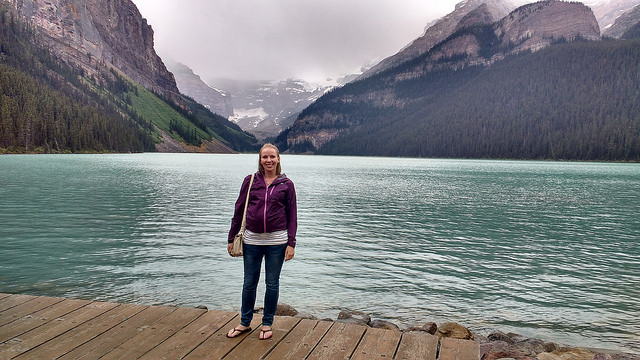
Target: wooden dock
[{"x": 39, "y": 327}]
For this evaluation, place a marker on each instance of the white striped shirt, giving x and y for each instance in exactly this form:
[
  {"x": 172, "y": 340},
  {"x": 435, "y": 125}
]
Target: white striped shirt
[{"x": 272, "y": 238}]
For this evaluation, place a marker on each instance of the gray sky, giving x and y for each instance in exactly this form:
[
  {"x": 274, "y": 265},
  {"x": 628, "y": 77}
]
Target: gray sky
[{"x": 280, "y": 39}]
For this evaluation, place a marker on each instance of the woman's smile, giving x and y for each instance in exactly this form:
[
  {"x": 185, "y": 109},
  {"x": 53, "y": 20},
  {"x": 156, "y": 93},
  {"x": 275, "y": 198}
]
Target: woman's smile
[{"x": 269, "y": 159}]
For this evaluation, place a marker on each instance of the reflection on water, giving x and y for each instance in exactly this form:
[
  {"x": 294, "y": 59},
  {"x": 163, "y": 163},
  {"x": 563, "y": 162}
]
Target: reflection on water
[{"x": 545, "y": 249}]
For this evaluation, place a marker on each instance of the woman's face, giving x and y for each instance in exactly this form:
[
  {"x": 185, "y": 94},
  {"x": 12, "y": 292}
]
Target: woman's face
[{"x": 269, "y": 159}]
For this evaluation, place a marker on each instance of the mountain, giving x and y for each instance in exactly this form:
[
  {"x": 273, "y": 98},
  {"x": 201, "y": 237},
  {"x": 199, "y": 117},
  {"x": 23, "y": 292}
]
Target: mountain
[
  {"x": 94, "y": 32},
  {"x": 95, "y": 69},
  {"x": 608, "y": 11},
  {"x": 265, "y": 108},
  {"x": 262, "y": 108},
  {"x": 192, "y": 85},
  {"x": 528, "y": 28},
  {"x": 537, "y": 84},
  {"x": 466, "y": 13},
  {"x": 624, "y": 23},
  {"x": 486, "y": 11},
  {"x": 534, "y": 26},
  {"x": 49, "y": 106}
]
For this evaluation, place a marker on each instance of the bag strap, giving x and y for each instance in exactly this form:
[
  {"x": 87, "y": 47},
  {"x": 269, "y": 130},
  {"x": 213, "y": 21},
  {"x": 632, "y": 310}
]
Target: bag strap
[{"x": 246, "y": 203}]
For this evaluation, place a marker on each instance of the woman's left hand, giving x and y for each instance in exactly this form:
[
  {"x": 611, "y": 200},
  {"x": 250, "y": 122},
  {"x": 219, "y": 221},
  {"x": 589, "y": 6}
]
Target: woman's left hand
[{"x": 288, "y": 254}]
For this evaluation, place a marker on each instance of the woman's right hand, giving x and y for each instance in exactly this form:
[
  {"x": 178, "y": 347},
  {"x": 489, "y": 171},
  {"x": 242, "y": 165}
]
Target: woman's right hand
[{"x": 229, "y": 248}]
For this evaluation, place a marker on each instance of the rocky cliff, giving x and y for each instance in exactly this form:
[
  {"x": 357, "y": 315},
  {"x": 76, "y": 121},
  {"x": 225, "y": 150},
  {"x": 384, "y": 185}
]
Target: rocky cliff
[
  {"x": 537, "y": 25},
  {"x": 528, "y": 28},
  {"x": 623, "y": 23},
  {"x": 193, "y": 86},
  {"x": 466, "y": 13},
  {"x": 608, "y": 11},
  {"x": 477, "y": 11},
  {"x": 91, "y": 33}
]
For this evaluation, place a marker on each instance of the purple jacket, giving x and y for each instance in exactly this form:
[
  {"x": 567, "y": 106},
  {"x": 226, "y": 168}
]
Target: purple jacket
[{"x": 269, "y": 210}]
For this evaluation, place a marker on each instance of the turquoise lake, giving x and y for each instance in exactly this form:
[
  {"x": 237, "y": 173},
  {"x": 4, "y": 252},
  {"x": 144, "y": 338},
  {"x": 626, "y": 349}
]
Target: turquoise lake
[{"x": 549, "y": 250}]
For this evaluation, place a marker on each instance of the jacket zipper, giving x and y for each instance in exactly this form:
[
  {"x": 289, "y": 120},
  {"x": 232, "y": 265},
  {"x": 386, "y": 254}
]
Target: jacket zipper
[{"x": 264, "y": 215}]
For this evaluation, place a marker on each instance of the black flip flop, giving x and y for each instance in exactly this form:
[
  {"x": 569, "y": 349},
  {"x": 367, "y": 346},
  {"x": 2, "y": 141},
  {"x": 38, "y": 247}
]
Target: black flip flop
[
  {"x": 263, "y": 332},
  {"x": 238, "y": 331}
]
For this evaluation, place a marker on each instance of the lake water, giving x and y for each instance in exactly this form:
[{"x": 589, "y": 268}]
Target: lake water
[{"x": 546, "y": 249}]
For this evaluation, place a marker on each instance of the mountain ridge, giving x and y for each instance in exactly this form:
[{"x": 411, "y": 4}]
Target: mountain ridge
[
  {"x": 623, "y": 23},
  {"x": 93, "y": 32},
  {"x": 59, "y": 52},
  {"x": 443, "y": 28},
  {"x": 608, "y": 11},
  {"x": 192, "y": 85},
  {"x": 417, "y": 88}
]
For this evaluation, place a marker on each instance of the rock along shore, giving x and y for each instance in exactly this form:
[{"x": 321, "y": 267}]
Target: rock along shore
[{"x": 496, "y": 345}]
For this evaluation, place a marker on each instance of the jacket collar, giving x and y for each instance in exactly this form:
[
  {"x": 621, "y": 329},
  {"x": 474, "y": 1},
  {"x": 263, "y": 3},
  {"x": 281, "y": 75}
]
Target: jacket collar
[{"x": 281, "y": 178}]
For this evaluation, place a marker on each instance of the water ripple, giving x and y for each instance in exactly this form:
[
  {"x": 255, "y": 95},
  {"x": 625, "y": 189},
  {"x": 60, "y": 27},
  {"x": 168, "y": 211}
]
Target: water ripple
[{"x": 544, "y": 249}]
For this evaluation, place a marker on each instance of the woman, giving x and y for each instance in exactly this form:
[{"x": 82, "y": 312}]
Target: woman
[{"x": 271, "y": 234}]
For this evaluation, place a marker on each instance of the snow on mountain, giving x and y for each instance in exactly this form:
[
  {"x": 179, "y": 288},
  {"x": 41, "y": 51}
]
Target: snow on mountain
[
  {"x": 265, "y": 108},
  {"x": 608, "y": 11},
  {"x": 254, "y": 115}
]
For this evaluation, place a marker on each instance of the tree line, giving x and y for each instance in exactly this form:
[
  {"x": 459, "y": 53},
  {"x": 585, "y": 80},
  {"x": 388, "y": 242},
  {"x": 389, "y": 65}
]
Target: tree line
[
  {"x": 37, "y": 118},
  {"x": 578, "y": 101},
  {"x": 47, "y": 105}
]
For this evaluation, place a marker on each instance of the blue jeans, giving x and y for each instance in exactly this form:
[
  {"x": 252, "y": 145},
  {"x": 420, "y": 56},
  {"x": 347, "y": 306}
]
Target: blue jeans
[{"x": 273, "y": 260}]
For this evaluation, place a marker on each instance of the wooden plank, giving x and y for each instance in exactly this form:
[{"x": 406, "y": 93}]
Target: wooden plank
[
  {"x": 27, "y": 308},
  {"x": 417, "y": 345},
  {"x": 64, "y": 343},
  {"x": 112, "y": 338},
  {"x": 43, "y": 327},
  {"x": 300, "y": 341},
  {"x": 218, "y": 345},
  {"x": 189, "y": 338},
  {"x": 14, "y": 300},
  {"x": 254, "y": 348},
  {"x": 39, "y": 318},
  {"x": 456, "y": 349},
  {"x": 41, "y": 334},
  {"x": 339, "y": 343},
  {"x": 377, "y": 344},
  {"x": 155, "y": 334}
]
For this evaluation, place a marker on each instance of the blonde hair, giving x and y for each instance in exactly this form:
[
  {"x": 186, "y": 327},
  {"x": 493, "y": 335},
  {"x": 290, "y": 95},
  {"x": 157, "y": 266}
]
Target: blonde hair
[{"x": 278, "y": 167}]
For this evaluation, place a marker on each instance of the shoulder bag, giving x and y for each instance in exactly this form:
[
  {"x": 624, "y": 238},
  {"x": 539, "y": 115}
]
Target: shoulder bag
[{"x": 238, "y": 241}]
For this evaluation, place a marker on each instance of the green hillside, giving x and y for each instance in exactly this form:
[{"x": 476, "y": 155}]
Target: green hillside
[{"x": 47, "y": 105}]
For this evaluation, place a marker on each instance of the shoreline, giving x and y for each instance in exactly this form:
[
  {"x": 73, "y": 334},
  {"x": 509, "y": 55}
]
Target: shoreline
[
  {"x": 493, "y": 346},
  {"x": 5, "y": 151}
]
